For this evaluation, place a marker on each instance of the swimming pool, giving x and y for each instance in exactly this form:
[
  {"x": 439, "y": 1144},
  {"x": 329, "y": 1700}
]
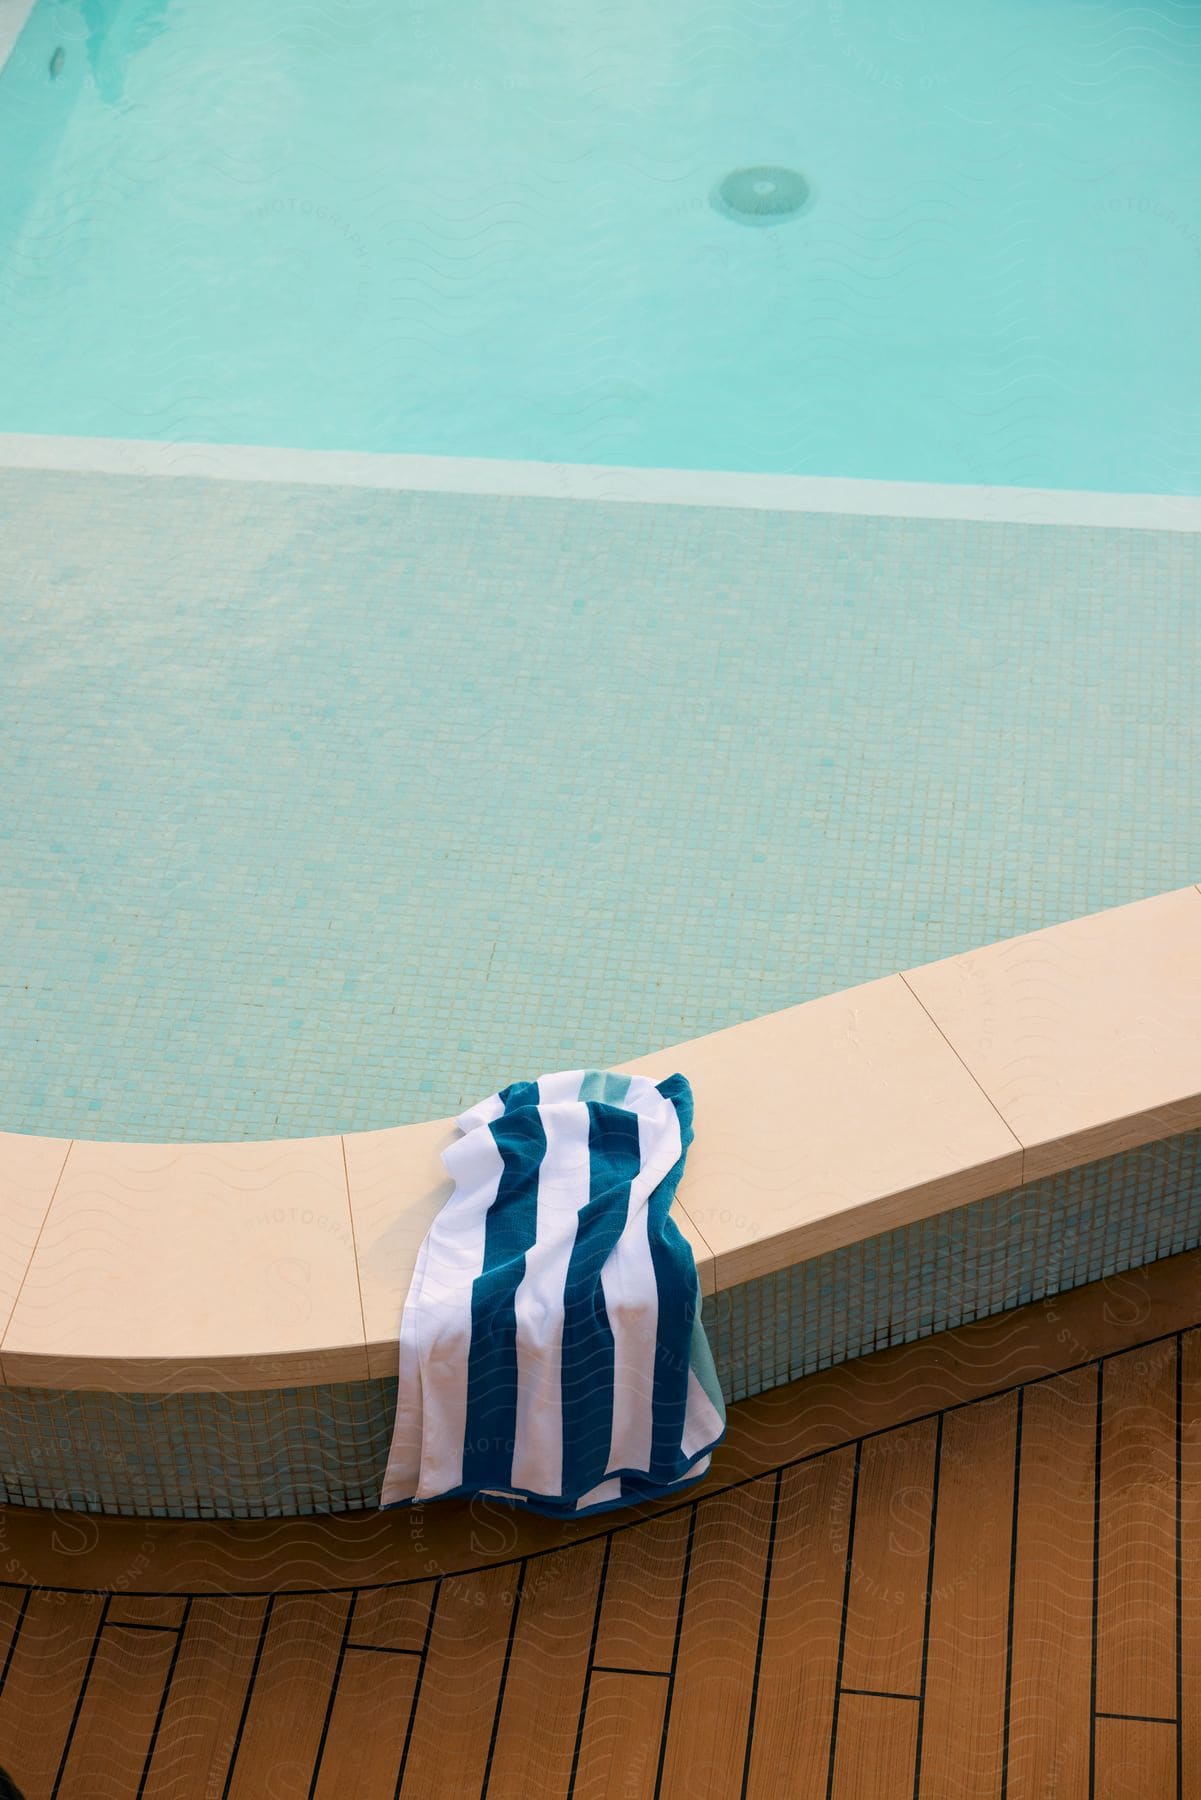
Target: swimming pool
[
  {"x": 331, "y": 804},
  {"x": 483, "y": 230}
]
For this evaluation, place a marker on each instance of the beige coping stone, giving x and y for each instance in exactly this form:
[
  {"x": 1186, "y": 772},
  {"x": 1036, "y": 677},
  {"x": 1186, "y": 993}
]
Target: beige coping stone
[
  {"x": 238, "y": 1266},
  {"x": 190, "y": 1267},
  {"x": 827, "y": 1123},
  {"x": 397, "y": 1186},
  {"x": 29, "y": 1172},
  {"x": 702, "y": 1254},
  {"x": 1086, "y": 1036}
]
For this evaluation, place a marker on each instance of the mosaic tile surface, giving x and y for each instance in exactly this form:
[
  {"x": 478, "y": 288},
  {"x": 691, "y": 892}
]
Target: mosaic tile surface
[
  {"x": 323, "y": 1449},
  {"x": 326, "y": 809},
  {"x": 996, "y": 1254}
]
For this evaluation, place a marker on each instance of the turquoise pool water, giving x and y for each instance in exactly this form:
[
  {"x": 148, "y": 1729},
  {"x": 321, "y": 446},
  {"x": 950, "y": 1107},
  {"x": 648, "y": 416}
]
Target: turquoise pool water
[
  {"x": 483, "y": 228},
  {"x": 322, "y": 808}
]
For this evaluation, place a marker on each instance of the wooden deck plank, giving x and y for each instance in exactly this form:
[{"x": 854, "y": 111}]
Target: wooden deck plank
[
  {"x": 45, "y": 1678},
  {"x": 964, "y": 1732},
  {"x": 392, "y": 1618},
  {"x": 1136, "y": 1760},
  {"x": 13, "y": 1602},
  {"x": 623, "y": 1728},
  {"x": 455, "y": 1709},
  {"x": 637, "y": 1628},
  {"x": 289, "y": 1695},
  {"x": 163, "y": 1610},
  {"x": 877, "y": 1745},
  {"x": 709, "y": 1701},
  {"x": 547, "y": 1669},
  {"x": 758, "y": 1632},
  {"x": 367, "y": 1726},
  {"x": 1136, "y": 1558},
  {"x": 1190, "y": 1562},
  {"x": 198, "y": 1731},
  {"x": 801, "y": 1629},
  {"x": 1050, "y": 1732},
  {"x": 115, "y": 1726},
  {"x": 890, "y": 1558}
]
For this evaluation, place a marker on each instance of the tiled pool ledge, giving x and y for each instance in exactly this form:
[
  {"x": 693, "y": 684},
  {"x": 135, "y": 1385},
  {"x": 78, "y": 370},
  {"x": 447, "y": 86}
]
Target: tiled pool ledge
[
  {"x": 584, "y": 481},
  {"x": 248, "y": 1267},
  {"x": 13, "y": 14}
]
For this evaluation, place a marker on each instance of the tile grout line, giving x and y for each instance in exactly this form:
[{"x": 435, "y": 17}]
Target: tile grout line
[
  {"x": 514, "y": 1614},
  {"x": 882, "y": 1694},
  {"x": 80, "y": 1698},
  {"x": 1092, "y": 1686},
  {"x": 972, "y": 1077},
  {"x": 842, "y": 1628},
  {"x": 139, "y": 1625},
  {"x": 1007, "y": 1715},
  {"x": 675, "y": 1653},
  {"x": 12, "y": 1313},
  {"x": 1179, "y": 1566},
  {"x": 767, "y": 1573},
  {"x": 181, "y": 1632},
  {"x": 417, "y": 1686},
  {"x": 591, "y": 1665},
  {"x": 616, "y": 1669},
  {"x": 264, "y": 1626},
  {"x": 12, "y": 1642},
  {"x": 921, "y": 1688},
  {"x": 679, "y": 1205},
  {"x": 354, "y": 1251},
  {"x": 333, "y": 1695}
]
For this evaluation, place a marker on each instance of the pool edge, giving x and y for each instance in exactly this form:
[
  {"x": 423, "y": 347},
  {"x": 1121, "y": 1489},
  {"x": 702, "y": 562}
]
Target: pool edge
[
  {"x": 619, "y": 485},
  {"x": 14, "y": 15},
  {"x": 227, "y": 1268}
]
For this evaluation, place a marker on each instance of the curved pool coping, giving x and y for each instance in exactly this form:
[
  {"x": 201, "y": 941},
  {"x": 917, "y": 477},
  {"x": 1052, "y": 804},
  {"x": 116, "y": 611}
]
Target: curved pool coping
[{"x": 160, "y": 1268}]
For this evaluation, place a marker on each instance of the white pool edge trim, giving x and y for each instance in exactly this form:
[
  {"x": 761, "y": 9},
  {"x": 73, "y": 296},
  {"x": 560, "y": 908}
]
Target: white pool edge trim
[
  {"x": 586, "y": 481},
  {"x": 13, "y": 14}
]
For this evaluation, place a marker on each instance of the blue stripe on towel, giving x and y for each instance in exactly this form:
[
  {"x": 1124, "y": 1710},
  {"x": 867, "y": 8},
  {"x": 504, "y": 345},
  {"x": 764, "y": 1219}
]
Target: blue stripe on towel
[
  {"x": 675, "y": 1277},
  {"x": 587, "y": 1376},
  {"x": 508, "y": 1233}
]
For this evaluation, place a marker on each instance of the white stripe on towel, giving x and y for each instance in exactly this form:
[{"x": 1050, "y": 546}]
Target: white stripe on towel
[
  {"x": 563, "y": 1188},
  {"x": 603, "y": 1491},
  {"x": 702, "y": 1421},
  {"x": 443, "y": 1308},
  {"x": 631, "y": 1291}
]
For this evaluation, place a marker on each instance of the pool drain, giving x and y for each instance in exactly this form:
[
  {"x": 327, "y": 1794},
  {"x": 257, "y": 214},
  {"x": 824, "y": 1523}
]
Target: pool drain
[{"x": 762, "y": 195}]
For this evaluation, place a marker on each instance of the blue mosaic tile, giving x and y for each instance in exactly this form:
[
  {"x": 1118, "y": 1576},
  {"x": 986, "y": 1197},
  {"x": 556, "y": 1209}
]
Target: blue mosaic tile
[
  {"x": 335, "y": 809},
  {"x": 1023, "y": 1245}
]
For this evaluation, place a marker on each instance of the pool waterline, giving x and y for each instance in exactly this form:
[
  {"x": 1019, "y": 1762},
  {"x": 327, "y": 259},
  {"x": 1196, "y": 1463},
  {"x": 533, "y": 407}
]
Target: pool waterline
[{"x": 602, "y": 482}]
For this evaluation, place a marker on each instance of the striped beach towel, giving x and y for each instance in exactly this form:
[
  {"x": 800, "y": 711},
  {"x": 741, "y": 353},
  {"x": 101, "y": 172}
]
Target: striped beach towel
[{"x": 551, "y": 1347}]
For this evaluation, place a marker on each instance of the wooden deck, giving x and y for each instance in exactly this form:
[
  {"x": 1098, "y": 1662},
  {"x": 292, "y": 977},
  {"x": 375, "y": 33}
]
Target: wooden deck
[{"x": 966, "y": 1569}]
